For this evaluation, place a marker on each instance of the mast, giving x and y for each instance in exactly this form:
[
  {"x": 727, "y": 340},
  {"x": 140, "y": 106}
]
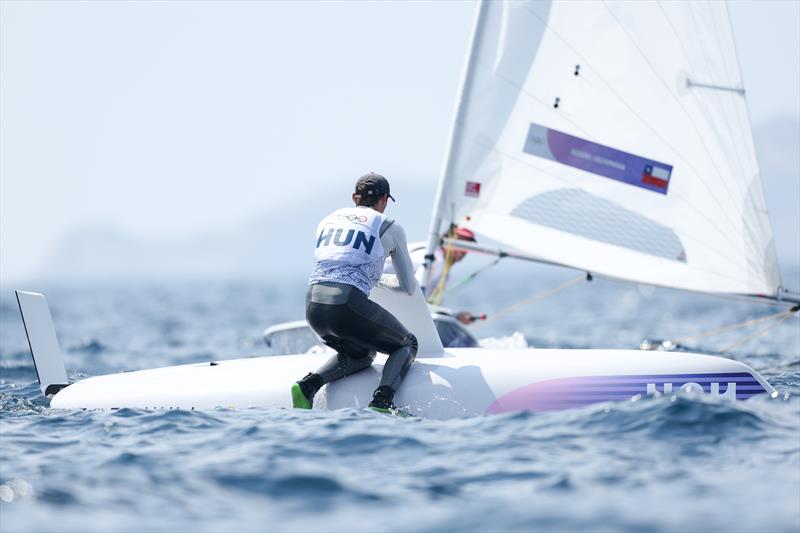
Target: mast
[{"x": 454, "y": 140}]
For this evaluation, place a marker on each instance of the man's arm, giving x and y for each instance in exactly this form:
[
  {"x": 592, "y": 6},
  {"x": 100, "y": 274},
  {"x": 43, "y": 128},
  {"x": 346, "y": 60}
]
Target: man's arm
[{"x": 394, "y": 240}]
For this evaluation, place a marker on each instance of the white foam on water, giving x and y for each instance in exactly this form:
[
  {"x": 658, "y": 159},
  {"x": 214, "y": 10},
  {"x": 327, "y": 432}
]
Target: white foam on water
[{"x": 515, "y": 341}]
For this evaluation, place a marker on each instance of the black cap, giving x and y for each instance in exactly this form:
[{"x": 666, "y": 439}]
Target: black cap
[{"x": 373, "y": 185}]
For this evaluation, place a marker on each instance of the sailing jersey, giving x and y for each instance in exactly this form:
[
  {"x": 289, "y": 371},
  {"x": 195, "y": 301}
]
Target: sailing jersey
[{"x": 352, "y": 245}]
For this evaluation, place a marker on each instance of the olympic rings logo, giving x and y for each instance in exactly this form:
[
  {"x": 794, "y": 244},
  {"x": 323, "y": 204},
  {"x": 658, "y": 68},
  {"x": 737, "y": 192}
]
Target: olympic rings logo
[{"x": 353, "y": 218}]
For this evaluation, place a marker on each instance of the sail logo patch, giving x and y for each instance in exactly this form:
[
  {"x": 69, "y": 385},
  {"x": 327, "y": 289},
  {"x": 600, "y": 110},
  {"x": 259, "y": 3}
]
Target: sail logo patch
[
  {"x": 473, "y": 189},
  {"x": 597, "y": 159}
]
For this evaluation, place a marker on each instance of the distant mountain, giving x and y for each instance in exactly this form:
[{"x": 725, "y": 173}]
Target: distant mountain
[{"x": 276, "y": 244}]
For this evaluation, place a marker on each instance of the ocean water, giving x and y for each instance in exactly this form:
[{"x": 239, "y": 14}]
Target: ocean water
[{"x": 680, "y": 463}]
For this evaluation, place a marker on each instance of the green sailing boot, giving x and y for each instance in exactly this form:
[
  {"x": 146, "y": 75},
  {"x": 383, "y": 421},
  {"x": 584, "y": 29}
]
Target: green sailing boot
[
  {"x": 299, "y": 399},
  {"x": 303, "y": 391}
]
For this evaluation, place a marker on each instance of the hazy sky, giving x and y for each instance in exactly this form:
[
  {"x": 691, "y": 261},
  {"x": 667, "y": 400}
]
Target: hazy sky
[{"x": 167, "y": 119}]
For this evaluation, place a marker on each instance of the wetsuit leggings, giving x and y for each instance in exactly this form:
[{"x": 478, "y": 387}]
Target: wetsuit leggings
[{"x": 356, "y": 327}]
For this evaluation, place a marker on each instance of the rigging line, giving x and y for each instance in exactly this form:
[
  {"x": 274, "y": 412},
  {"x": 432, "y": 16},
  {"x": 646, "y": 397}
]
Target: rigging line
[
  {"x": 745, "y": 298},
  {"x": 747, "y": 140},
  {"x": 734, "y": 148},
  {"x": 750, "y": 122},
  {"x": 755, "y": 334},
  {"x": 472, "y": 276},
  {"x": 538, "y": 296},
  {"x": 732, "y": 327},
  {"x": 687, "y": 236},
  {"x": 740, "y": 141},
  {"x": 749, "y": 246},
  {"x": 680, "y": 104},
  {"x": 655, "y": 132},
  {"x": 438, "y": 292},
  {"x": 709, "y": 70}
]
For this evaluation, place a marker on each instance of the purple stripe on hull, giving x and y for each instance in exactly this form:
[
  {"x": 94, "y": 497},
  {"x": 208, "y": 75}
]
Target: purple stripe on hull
[
  {"x": 661, "y": 379},
  {"x": 573, "y": 392},
  {"x": 727, "y": 375}
]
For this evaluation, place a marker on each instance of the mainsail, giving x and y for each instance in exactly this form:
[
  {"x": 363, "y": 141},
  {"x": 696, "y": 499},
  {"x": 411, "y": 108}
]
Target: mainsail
[{"x": 611, "y": 137}]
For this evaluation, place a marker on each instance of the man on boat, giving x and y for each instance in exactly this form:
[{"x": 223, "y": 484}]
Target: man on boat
[
  {"x": 443, "y": 259},
  {"x": 352, "y": 244}
]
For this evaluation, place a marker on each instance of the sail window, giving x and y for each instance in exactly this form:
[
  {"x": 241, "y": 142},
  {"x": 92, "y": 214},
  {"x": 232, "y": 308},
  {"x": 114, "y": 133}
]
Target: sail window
[{"x": 586, "y": 215}]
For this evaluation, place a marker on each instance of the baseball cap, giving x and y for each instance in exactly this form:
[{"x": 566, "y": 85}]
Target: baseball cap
[{"x": 373, "y": 185}]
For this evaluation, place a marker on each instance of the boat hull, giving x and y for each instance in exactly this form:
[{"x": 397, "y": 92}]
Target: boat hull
[{"x": 463, "y": 382}]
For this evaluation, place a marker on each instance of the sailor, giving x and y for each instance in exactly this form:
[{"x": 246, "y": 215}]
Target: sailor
[
  {"x": 351, "y": 246},
  {"x": 443, "y": 260}
]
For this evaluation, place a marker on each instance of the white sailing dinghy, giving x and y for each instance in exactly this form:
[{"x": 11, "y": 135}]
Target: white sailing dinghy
[{"x": 611, "y": 137}]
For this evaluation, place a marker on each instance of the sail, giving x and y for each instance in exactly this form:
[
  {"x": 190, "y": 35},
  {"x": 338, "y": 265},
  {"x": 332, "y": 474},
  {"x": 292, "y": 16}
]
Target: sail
[{"x": 612, "y": 137}]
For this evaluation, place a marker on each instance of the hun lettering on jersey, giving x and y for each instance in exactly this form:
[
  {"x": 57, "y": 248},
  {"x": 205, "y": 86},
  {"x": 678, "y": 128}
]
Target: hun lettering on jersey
[{"x": 333, "y": 237}]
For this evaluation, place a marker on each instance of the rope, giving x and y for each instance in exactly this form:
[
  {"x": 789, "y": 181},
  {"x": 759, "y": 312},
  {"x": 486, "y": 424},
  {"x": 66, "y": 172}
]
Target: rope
[
  {"x": 473, "y": 275},
  {"x": 755, "y": 334},
  {"x": 438, "y": 292},
  {"x": 779, "y": 318},
  {"x": 732, "y": 327},
  {"x": 530, "y": 299}
]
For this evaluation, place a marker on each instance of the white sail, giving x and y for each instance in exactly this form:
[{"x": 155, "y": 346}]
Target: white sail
[{"x": 612, "y": 137}]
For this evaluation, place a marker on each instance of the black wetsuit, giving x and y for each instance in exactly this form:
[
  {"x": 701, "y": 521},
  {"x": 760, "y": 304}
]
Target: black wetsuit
[{"x": 357, "y": 328}]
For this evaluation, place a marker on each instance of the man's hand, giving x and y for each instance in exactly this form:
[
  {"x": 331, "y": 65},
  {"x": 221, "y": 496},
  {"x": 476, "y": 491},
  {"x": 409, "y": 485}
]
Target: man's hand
[
  {"x": 391, "y": 282},
  {"x": 467, "y": 318}
]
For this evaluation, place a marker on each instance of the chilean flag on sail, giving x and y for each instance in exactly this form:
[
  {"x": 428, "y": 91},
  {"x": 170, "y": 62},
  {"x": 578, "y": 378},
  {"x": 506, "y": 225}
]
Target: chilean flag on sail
[{"x": 656, "y": 176}]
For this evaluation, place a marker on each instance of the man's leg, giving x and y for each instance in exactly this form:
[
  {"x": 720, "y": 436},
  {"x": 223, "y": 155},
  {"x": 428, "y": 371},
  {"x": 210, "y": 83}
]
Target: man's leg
[
  {"x": 394, "y": 371},
  {"x": 385, "y": 333},
  {"x": 365, "y": 327},
  {"x": 351, "y": 357}
]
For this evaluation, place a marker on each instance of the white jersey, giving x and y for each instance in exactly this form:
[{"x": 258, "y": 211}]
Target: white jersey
[
  {"x": 349, "y": 248},
  {"x": 350, "y": 236}
]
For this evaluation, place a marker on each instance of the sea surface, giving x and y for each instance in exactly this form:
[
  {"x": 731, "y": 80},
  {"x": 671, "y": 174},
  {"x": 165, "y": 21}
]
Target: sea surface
[{"x": 673, "y": 463}]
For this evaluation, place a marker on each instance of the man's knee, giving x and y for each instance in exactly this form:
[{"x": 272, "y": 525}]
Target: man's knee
[
  {"x": 411, "y": 341},
  {"x": 360, "y": 358},
  {"x": 354, "y": 363}
]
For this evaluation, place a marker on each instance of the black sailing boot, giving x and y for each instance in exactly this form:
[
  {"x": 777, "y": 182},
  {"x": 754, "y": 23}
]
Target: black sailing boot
[
  {"x": 382, "y": 400},
  {"x": 303, "y": 391}
]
